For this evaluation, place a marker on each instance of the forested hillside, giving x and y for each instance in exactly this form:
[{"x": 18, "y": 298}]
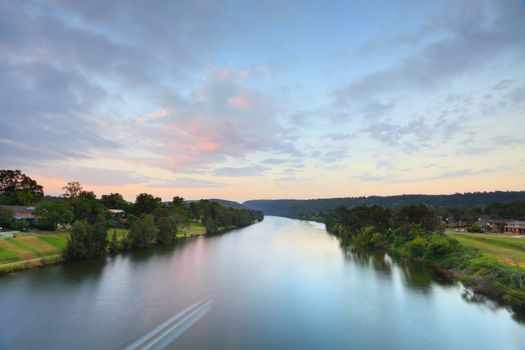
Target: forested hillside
[{"x": 299, "y": 208}]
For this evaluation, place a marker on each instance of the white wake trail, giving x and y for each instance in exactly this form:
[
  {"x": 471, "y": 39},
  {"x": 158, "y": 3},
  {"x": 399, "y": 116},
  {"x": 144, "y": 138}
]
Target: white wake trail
[{"x": 165, "y": 333}]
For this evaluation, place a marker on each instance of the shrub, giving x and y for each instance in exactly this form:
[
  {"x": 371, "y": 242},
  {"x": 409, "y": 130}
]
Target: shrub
[
  {"x": 86, "y": 240},
  {"x": 438, "y": 246},
  {"x": 416, "y": 248},
  {"x": 142, "y": 232},
  {"x": 474, "y": 229},
  {"x": 167, "y": 230}
]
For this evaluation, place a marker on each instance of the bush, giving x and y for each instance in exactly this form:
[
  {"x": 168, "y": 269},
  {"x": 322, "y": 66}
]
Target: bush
[
  {"x": 22, "y": 225},
  {"x": 438, "y": 246},
  {"x": 87, "y": 240},
  {"x": 142, "y": 232},
  {"x": 167, "y": 230},
  {"x": 474, "y": 229},
  {"x": 7, "y": 218},
  {"x": 52, "y": 213},
  {"x": 416, "y": 248}
]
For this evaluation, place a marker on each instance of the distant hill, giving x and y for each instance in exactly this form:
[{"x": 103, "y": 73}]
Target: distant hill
[
  {"x": 227, "y": 203},
  {"x": 298, "y": 207},
  {"x": 224, "y": 203}
]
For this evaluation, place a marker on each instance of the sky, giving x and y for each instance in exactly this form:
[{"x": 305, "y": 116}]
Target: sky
[{"x": 264, "y": 99}]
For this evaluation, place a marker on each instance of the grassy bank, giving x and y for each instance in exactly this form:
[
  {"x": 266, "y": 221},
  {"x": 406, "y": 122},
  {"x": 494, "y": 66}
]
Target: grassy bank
[
  {"x": 481, "y": 263},
  {"x": 34, "y": 249},
  {"x": 506, "y": 249}
]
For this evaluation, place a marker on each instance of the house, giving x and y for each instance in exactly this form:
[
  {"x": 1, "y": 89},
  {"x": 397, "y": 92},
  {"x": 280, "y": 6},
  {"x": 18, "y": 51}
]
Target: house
[
  {"x": 116, "y": 212},
  {"x": 497, "y": 225},
  {"x": 22, "y": 212},
  {"x": 515, "y": 227}
]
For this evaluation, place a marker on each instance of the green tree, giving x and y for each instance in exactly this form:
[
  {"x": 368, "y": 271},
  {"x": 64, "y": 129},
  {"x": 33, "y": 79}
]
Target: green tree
[
  {"x": 17, "y": 188},
  {"x": 177, "y": 201},
  {"x": 51, "y": 213},
  {"x": 145, "y": 203},
  {"x": 7, "y": 218},
  {"x": 72, "y": 189},
  {"x": 416, "y": 248},
  {"x": 87, "y": 240},
  {"x": 87, "y": 207},
  {"x": 142, "y": 231},
  {"x": 411, "y": 215},
  {"x": 22, "y": 225},
  {"x": 114, "y": 201},
  {"x": 167, "y": 230}
]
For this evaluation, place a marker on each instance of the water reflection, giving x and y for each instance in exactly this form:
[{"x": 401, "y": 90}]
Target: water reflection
[
  {"x": 419, "y": 277},
  {"x": 278, "y": 284},
  {"x": 414, "y": 275}
]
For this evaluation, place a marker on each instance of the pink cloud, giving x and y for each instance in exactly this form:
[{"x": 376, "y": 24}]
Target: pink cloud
[{"x": 221, "y": 118}]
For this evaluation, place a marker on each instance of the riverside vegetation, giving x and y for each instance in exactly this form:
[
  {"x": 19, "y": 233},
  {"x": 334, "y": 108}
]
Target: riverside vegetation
[
  {"x": 413, "y": 232},
  {"x": 90, "y": 229}
]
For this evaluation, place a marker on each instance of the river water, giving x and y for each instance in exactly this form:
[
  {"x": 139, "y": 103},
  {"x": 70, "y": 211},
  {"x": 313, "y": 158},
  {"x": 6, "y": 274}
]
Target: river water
[{"x": 279, "y": 284}]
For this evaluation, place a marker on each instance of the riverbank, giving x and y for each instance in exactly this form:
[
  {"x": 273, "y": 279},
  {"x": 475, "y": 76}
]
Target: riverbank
[
  {"x": 31, "y": 250},
  {"x": 506, "y": 248},
  {"x": 481, "y": 273}
]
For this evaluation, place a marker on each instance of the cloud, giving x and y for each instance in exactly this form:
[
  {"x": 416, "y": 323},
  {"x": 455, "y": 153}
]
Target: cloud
[
  {"x": 370, "y": 178},
  {"x": 74, "y": 76},
  {"x": 186, "y": 182},
  {"x": 46, "y": 114},
  {"x": 240, "y": 171},
  {"x": 204, "y": 129},
  {"x": 472, "y": 41},
  {"x": 339, "y": 136},
  {"x": 503, "y": 84},
  {"x": 98, "y": 176},
  {"x": 274, "y": 161}
]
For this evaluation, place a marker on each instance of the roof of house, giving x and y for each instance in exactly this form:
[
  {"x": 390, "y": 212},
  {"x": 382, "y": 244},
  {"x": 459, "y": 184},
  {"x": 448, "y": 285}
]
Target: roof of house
[
  {"x": 499, "y": 221},
  {"x": 516, "y": 222}
]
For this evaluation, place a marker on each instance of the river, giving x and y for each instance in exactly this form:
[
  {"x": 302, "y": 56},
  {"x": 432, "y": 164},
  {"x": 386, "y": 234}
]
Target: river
[{"x": 278, "y": 284}]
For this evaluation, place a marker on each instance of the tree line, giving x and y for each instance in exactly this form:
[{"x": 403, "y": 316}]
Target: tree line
[
  {"x": 148, "y": 219},
  {"x": 304, "y": 208},
  {"x": 415, "y": 232}
]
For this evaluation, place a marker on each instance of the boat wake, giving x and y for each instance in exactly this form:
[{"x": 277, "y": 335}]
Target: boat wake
[{"x": 165, "y": 333}]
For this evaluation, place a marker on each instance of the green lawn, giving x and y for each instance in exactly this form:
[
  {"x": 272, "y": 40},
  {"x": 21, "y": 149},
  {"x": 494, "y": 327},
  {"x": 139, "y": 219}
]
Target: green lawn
[
  {"x": 508, "y": 249},
  {"x": 7, "y": 255},
  {"x": 25, "y": 247},
  {"x": 192, "y": 229},
  {"x": 121, "y": 233},
  {"x": 31, "y": 249},
  {"x": 57, "y": 241}
]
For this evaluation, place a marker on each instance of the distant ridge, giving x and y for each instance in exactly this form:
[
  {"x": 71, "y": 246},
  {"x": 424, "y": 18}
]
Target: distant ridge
[
  {"x": 227, "y": 203},
  {"x": 299, "y": 207},
  {"x": 224, "y": 203}
]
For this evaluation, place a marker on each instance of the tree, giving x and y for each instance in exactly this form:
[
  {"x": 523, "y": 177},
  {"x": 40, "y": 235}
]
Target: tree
[
  {"x": 87, "y": 207},
  {"x": 22, "y": 225},
  {"x": 17, "y": 188},
  {"x": 72, "y": 189},
  {"x": 7, "y": 218},
  {"x": 114, "y": 201},
  {"x": 51, "y": 213},
  {"x": 177, "y": 201},
  {"x": 145, "y": 203},
  {"x": 87, "y": 240},
  {"x": 142, "y": 231},
  {"x": 411, "y": 215},
  {"x": 167, "y": 230}
]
